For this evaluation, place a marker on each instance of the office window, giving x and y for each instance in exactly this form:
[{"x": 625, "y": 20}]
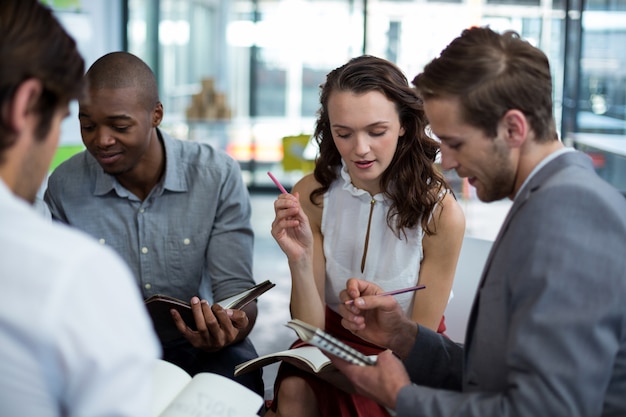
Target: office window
[
  {"x": 312, "y": 78},
  {"x": 515, "y": 2},
  {"x": 602, "y": 94},
  {"x": 605, "y": 5},
  {"x": 601, "y": 113}
]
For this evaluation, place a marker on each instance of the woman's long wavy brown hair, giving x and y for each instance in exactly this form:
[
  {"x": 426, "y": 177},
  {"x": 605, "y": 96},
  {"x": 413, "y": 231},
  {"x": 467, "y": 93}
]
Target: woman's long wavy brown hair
[{"x": 411, "y": 182}]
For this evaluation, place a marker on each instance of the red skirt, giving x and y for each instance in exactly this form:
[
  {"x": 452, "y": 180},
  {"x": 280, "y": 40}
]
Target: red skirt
[{"x": 332, "y": 401}]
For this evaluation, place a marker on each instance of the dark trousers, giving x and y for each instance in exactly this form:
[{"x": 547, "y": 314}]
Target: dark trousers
[{"x": 192, "y": 360}]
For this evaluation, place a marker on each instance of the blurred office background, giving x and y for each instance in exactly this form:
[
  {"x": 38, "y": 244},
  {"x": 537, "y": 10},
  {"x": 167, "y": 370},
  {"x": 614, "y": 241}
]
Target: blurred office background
[{"x": 244, "y": 74}]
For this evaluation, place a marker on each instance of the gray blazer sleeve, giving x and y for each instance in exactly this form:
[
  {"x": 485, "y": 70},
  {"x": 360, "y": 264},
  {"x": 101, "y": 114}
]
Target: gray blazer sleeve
[
  {"x": 435, "y": 361},
  {"x": 547, "y": 333}
]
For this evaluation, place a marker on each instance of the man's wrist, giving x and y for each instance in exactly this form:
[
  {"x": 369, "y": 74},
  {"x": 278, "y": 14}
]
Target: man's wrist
[{"x": 403, "y": 342}]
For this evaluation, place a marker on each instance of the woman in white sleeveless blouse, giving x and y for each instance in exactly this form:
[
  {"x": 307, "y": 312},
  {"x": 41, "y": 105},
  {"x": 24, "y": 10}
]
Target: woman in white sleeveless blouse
[{"x": 376, "y": 208}]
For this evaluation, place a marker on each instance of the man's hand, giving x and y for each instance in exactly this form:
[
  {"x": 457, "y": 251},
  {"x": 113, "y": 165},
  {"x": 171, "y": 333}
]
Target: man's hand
[
  {"x": 379, "y": 319},
  {"x": 380, "y": 382},
  {"x": 217, "y": 327}
]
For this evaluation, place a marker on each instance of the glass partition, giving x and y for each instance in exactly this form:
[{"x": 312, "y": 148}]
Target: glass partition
[
  {"x": 601, "y": 117},
  {"x": 244, "y": 74}
]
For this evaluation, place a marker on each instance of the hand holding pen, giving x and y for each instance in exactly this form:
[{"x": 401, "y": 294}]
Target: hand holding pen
[
  {"x": 290, "y": 227},
  {"x": 394, "y": 292}
]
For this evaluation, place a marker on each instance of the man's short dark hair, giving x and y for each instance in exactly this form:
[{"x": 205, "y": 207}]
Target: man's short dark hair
[{"x": 33, "y": 44}]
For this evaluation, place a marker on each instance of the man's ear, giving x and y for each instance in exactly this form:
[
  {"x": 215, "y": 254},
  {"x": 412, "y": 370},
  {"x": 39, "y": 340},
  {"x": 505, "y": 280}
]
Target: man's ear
[
  {"x": 516, "y": 126},
  {"x": 157, "y": 114},
  {"x": 24, "y": 99}
]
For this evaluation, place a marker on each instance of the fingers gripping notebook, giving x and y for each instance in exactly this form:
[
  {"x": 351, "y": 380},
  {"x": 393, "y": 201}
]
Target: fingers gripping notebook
[{"x": 324, "y": 341}]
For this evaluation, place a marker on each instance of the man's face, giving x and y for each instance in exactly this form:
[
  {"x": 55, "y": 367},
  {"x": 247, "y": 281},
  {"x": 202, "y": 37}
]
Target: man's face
[
  {"x": 116, "y": 128},
  {"x": 486, "y": 162}
]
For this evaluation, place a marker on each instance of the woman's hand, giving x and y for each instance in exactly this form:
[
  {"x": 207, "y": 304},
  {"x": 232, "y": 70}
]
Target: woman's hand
[{"x": 291, "y": 228}]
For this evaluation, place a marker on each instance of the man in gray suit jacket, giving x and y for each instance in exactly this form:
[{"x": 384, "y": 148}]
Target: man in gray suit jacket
[{"x": 547, "y": 331}]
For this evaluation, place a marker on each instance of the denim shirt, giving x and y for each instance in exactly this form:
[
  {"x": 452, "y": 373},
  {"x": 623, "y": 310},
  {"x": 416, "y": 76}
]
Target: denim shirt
[{"x": 191, "y": 235}]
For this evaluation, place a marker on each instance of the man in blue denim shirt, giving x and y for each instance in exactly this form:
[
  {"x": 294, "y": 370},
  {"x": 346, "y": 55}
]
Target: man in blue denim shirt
[{"x": 178, "y": 212}]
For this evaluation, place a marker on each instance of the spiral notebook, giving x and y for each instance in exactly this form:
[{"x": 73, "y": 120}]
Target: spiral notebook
[{"x": 319, "y": 338}]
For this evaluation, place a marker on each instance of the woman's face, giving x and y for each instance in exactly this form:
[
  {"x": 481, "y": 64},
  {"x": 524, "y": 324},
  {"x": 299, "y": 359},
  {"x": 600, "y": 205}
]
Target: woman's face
[{"x": 365, "y": 128}]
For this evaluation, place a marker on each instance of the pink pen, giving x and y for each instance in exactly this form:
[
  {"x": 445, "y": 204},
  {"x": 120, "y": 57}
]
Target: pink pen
[
  {"x": 279, "y": 185},
  {"x": 394, "y": 292}
]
